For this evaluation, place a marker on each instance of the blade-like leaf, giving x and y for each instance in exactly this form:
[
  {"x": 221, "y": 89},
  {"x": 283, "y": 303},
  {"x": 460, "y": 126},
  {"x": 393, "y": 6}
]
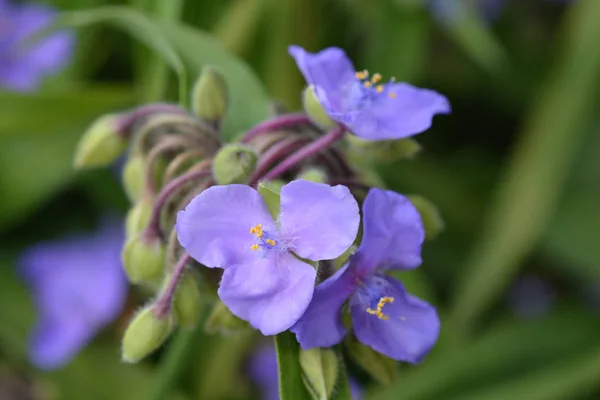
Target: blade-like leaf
[{"x": 291, "y": 386}]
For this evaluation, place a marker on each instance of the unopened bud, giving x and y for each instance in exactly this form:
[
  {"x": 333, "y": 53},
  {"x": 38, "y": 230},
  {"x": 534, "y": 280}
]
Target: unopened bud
[
  {"x": 210, "y": 95},
  {"x": 145, "y": 333},
  {"x": 432, "y": 220},
  {"x": 234, "y": 163},
  {"x": 134, "y": 176},
  {"x": 314, "y": 109},
  {"x": 381, "y": 368},
  {"x": 188, "y": 302},
  {"x": 138, "y": 217},
  {"x": 100, "y": 145},
  {"x": 385, "y": 150},
  {"x": 313, "y": 175},
  {"x": 270, "y": 190},
  {"x": 221, "y": 320},
  {"x": 319, "y": 371},
  {"x": 143, "y": 261}
]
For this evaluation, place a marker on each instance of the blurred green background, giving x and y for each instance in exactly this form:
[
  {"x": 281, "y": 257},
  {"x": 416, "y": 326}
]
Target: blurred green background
[{"x": 514, "y": 170}]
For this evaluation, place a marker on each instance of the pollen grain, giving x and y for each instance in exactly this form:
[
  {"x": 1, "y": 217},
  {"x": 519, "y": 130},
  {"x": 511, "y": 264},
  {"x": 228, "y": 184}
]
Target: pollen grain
[{"x": 382, "y": 302}]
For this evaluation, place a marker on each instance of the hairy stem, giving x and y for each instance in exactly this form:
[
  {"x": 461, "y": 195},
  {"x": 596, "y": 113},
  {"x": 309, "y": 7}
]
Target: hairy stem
[{"x": 280, "y": 122}]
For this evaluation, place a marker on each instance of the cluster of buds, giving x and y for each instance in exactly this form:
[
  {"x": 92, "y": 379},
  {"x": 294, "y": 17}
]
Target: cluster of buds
[{"x": 175, "y": 157}]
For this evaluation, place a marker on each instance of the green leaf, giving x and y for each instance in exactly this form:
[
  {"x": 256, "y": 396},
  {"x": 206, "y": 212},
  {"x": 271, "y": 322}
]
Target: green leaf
[
  {"x": 381, "y": 368},
  {"x": 319, "y": 371},
  {"x": 291, "y": 386},
  {"x": 530, "y": 188}
]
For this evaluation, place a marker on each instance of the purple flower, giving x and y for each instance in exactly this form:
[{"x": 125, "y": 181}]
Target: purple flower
[
  {"x": 264, "y": 281},
  {"x": 78, "y": 286},
  {"x": 263, "y": 371},
  {"x": 22, "y": 66},
  {"x": 367, "y": 107},
  {"x": 531, "y": 297},
  {"x": 384, "y": 316}
]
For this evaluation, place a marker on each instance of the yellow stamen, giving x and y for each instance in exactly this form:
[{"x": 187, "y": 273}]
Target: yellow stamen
[
  {"x": 382, "y": 302},
  {"x": 359, "y": 75},
  {"x": 379, "y": 88},
  {"x": 367, "y": 84},
  {"x": 254, "y": 247},
  {"x": 257, "y": 230},
  {"x": 376, "y": 78},
  {"x": 392, "y": 95},
  {"x": 271, "y": 242}
]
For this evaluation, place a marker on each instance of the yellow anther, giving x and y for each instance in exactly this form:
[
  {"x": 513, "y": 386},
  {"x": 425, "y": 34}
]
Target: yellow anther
[
  {"x": 382, "y": 302},
  {"x": 271, "y": 242},
  {"x": 376, "y": 78},
  {"x": 254, "y": 247},
  {"x": 367, "y": 84},
  {"x": 359, "y": 75},
  {"x": 379, "y": 88},
  {"x": 392, "y": 95},
  {"x": 257, "y": 230}
]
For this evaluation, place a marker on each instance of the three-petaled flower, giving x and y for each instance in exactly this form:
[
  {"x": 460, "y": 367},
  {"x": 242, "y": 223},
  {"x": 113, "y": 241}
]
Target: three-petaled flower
[
  {"x": 265, "y": 282},
  {"x": 384, "y": 316},
  {"x": 369, "y": 108}
]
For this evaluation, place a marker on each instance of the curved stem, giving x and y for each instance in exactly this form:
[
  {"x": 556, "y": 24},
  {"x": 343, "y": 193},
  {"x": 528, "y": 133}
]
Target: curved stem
[
  {"x": 274, "y": 153},
  {"x": 315, "y": 147},
  {"x": 280, "y": 122},
  {"x": 158, "y": 151},
  {"x": 153, "y": 229},
  {"x": 162, "y": 307},
  {"x": 126, "y": 122}
]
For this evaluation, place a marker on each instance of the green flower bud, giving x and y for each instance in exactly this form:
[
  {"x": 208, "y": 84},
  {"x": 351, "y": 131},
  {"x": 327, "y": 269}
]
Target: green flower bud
[
  {"x": 210, "y": 95},
  {"x": 221, "y": 320},
  {"x": 145, "y": 334},
  {"x": 432, "y": 220},
  {"x": 134, "y": 176},
  {"x": 100, "y": 145},
  {"x": 143, "y": 262},
  {"x": 385, "y": 150},
  {"x": 319, "y": 371},
  {"x": 138, "y": 218},
  {"x": 381, "y": 368},
  {"x": 234, "y": 163},
  {"x": 188, "y": 302},
  {"x": 270, "y": 192},
  {"x": 315, "y": 110},
  {"x": 313, "y": 175}
]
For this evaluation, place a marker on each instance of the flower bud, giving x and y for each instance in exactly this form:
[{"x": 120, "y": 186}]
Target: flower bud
[
  {"x": 432, "y": 220},
  {"x": 269, "y": 190},
  {"x": 385, "y": 150},
  {"x": 143, "y": 261},
  {"x": 313, "y": 175},
  {"x": 319, "y": 371},
  {"x": 145, "y": 334},
  {"x": 188, "y": 302},
  {"x": 134, "y": 177},
  {"x": 221, "y": 320},
  {"x": 381, "y": 368},
  {"x": 210, "y": 95},
  {"x": 100, "y": 145},
  {"x": 315, "y": 110},
  {"x": 234, "y": 163},
  {"x": 138, "y": 217}
]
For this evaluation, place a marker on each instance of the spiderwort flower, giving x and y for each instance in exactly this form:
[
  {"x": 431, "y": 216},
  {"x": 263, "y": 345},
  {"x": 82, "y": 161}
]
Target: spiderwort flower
[
  {"x": 384, "y": 316},
  {"x": 78, "y": 287},
  {"x": 369, "y": 108},
  {"x": 23, "y": 65},
  {"x": 265, "y": 283}
]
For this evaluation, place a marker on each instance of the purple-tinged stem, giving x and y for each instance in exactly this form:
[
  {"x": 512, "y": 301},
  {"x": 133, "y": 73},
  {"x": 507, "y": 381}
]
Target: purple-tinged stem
[
  {"x": 351, "y": 184},
  {"x": 275, "y": 152},
  {"x": 162, "y": 307},
  {"x": 155, "y": 154},
  {"x": 280, "y": 122},
  {"x": 124, "y": 125},
  {"x": 153, "y": 230},
  {"x": 315, "y": 147}
]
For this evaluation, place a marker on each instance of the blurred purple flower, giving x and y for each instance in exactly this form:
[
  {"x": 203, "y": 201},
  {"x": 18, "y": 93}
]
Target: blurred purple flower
[
  {"x": 384, "y": 316},
  {"x": 531, "y": 297},
  {"x": 78, "y": 286},
  {"x": 22, "y": 66},
  {"x": 263, "y": 372},
  {"x": 370, "y": 109},
  {"x": 265, "y": 284}
]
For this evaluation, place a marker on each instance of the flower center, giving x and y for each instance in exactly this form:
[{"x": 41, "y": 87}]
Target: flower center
[
  {"x": 266, "y": 240},
  {"x": 373, "y": 84},
  {"x": 382, "y": 302}
]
